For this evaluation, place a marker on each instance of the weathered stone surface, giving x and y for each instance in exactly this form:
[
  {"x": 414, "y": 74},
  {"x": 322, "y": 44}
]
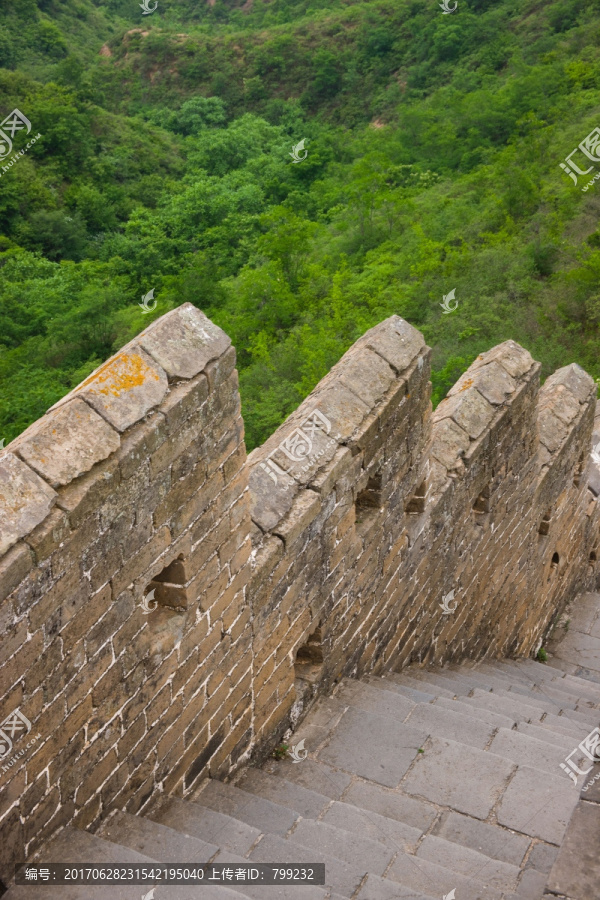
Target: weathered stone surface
[
  {"x": 25, "y": 500},
  {"x": 124, "y": 388},
  {"x": 67, "y": 442},
  {"x": 491, "y": 380},
  {"x": 515, "y": 359},
  {"x": 561, "y": 402},
  {"x": 468, "y": 409},
  {"x": 575, "y": 379},
  {"x": 552, "y": 430},
  {"x": 553, "y": 798},
  {"x": 394, "y": 339},
  {"x": 449, "y": 443},
  {"x": 366, "y": 374},
  {"x": 183, "y": 341}
]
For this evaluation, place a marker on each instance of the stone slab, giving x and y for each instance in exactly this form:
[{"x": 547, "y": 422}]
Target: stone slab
[
  {"x": 491, "y": 380},
  {"x": 67, "y": 442},
  {"x": 490, "y": 840},
  {"x": 357, "y": 850},
  {"x": 184, "y": 341},
  {"x": 508, "y": 707},
  {"x": 342, "y": 877},
  {"x": 412, "y": 693},
  {"x": 250, "y": 808},
  {"x": 307, "y": 803},
  {"x": 424, "y": 875},
  {"x": 380, "y": 702},
  {"x": 470, "y": 410},
  {"x": 366, "y": 374},
  {"x": 366, "y": 823},
  {"x": 374, "y": 747},
  {"x": 312, "y": 774},
  {"x": 449, "y": 724},
  {"x": 538, "y": 804},
  {"x": 157, "y": 841},
  {"x": 468, "y": 862},
  {"x": 465, "y": 779},
  {"x": 396, "y": 341},
  {"x": 528, "y": 751},
  {"x": 376, "y": 888},
  {"x": 576, "y": 872},
  {"x": 124, "y": 388},
  {"x": 210, "y": 826},
  {"x": 25, "y": 500},
  {"x": 419, "y": 814},
  {"x": 496, "y": 720}
]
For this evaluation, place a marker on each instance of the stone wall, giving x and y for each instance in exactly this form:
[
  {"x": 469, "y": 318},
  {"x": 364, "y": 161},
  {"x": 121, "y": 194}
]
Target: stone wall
[{"x": 168, "y": 608}]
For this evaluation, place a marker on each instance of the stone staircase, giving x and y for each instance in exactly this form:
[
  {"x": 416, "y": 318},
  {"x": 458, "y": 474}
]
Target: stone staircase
[{"x": 417, "y": 784}]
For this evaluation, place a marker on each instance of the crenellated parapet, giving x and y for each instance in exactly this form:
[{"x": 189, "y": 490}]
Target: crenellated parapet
[{"x": 169, "y": 607}]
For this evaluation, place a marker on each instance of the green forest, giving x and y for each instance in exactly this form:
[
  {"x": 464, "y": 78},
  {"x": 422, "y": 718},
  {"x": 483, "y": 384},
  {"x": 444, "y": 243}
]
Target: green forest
[{"x": 431, "y": 165}]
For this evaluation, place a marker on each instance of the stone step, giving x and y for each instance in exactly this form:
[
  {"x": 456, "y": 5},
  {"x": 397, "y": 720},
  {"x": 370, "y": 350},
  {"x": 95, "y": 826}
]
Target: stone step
[
  {"x": 469, "y": 862},
  {"x": 539, "y": 672},
  {"x": 501, "y": 677},
  {"x": 374, "y": 700},
  {"x": 537, "y": 803},
  {"x": 515, "y": 708},
  {"x": 489, "y": 839},
  {"x": 355, "y": 849},
  {"x": 246, "y": 807},
  {"x": 435, "y": 690},
  {"x": 387, "y": 684},
  {"x": 275, "y": 891},
  {"x": 564, "y": 741},
  {"x": 551, "y": 703},
  {"x": 341, "y": 877},
  {"x": 453, "y": 725},
  {"x": 376, "y": 888},
  {"x": 528, "y": 751},
  {"x": 74, "y": 846},
  {"x": 371, "y": 797},
  {"x": 158, "y": 841},
  {"x": 590, "y": 719},
  {"x": 312, "y": 774},
  {"x": 451, "y": 682},
  {"x": 566, "y": 726},
  {"x": 361, "y": 822},
  {"x": 496, "y": 720},
  {"x": 428, "y": 877},
  {"x": 309, "y": 804},
  {"x": 378, "y": 748},
  {"x": 469, "y": 679},
  {"x": 196, "y": 820}
]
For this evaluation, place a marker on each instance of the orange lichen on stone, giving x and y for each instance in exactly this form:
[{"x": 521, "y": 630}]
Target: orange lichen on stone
[
  {"x": 467, "y": 384},
  {"x": 123, "y": 373}
]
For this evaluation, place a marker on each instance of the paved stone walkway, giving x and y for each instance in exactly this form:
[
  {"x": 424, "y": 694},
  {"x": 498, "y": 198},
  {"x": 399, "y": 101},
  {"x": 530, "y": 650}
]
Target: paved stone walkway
[{"x": 423, "y": 785}]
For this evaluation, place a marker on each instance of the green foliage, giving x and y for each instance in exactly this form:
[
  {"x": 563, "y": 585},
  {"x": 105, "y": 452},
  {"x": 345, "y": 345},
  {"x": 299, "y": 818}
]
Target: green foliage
[{"x": 164, "y": 162}]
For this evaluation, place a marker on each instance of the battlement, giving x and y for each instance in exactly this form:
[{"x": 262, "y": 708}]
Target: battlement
[{"x": 169, "y": 607}]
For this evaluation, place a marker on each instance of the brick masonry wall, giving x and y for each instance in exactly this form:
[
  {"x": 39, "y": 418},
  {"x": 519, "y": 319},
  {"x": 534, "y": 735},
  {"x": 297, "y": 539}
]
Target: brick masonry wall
[{"x": 326, "y": 553}]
